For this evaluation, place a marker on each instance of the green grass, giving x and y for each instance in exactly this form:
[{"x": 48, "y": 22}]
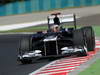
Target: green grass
[
  {"x": 94, "y": 69},
  {"x": 97, "y": 30},
  {"x": 44, "y": 27}
]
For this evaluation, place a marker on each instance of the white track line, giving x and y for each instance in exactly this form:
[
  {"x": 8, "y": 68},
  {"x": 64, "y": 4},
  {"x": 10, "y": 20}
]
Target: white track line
[{"x": 23, "y": 25}]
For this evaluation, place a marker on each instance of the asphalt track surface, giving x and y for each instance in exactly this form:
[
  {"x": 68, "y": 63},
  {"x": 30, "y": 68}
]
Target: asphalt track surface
[
  {"x": 8, "y": 52},
  {"x": 8, "y": 56}
]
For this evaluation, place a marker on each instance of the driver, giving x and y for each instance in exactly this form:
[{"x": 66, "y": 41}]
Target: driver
[{"x": 55, "y": 28}]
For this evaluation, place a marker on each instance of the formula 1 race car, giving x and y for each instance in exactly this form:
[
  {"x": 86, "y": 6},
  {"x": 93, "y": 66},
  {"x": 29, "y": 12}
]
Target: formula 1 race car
[{"x": 65, "y": 42}]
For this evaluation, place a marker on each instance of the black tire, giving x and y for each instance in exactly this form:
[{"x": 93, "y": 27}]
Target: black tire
[
  {"x": 89, "y": 38},
  {"x": 78, "y": 39},
  {"x": 26, "y": 61},
  {"x": 25, "y": 44}
]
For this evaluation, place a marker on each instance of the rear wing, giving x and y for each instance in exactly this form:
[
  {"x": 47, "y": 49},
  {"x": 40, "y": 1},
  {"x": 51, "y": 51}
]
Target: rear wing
[{"x": 62, "y": 19}]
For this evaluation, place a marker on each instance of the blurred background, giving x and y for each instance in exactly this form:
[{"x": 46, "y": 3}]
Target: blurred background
[{"x": 13, "y": 7}]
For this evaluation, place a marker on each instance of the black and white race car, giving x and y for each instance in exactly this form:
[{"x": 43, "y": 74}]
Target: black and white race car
[{"x": 66, "y": 42}]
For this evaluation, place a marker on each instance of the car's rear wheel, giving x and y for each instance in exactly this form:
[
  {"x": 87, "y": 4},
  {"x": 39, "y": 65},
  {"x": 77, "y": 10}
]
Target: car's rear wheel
[{"x": 89, "y": 37}]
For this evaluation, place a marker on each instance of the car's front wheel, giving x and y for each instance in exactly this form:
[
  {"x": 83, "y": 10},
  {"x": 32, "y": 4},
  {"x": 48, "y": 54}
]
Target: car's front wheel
[{"x": 25, "y": 45}]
